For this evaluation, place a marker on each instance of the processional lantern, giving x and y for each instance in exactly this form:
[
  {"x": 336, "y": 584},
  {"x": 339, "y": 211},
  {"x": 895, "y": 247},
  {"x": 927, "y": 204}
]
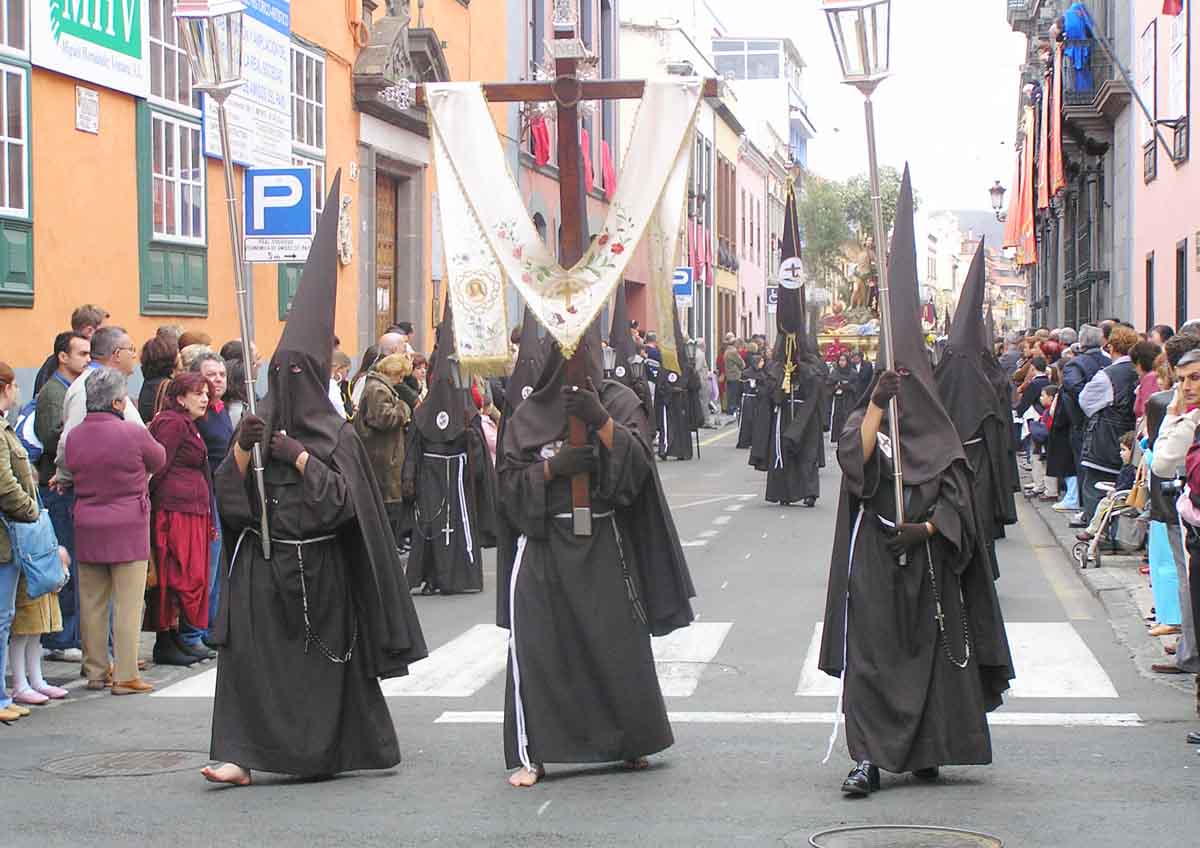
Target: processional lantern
[
  {"x": 862, "y": 36},
  {"x": 211, "y": 32}
]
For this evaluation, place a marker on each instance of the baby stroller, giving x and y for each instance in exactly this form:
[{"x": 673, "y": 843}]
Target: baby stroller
[{"x": 1130, "y": 529}]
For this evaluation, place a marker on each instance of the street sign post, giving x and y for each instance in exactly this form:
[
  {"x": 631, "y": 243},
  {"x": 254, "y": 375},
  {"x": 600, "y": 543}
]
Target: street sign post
[
  {"x": 772, "y": 299},
  {"x": 278, "y": 223},
  {"x": 684, "y": 285}
]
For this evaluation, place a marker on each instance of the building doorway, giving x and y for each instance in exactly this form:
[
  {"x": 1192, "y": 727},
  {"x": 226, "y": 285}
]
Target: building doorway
[
  {"x": 386, "y": 190},
  {"x": 1181, "y": 284}
]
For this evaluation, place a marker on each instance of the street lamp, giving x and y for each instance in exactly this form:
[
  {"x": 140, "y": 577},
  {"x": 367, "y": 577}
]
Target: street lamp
[
  {"x": 862, "y": 34},
  {"x": 211, "y": 31},
  {"x": 997, "y": 193}
]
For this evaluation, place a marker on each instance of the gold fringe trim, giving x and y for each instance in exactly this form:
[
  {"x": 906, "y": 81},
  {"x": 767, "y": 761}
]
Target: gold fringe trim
[{"x": 484, "y": 366}]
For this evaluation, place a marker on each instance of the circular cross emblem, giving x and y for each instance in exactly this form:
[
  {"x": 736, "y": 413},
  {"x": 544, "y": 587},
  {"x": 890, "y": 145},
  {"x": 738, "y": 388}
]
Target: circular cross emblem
[
  {"x": 526, "y": 392},
  {"x": 791, "y": 273},
  {"x": 443, "y": 420},
  {"x": 671, "y": 378},
  {"x": 620, "y": 372}
]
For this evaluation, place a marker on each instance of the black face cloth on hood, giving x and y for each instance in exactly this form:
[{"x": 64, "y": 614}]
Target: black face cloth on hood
[
  {"x": 297, "y": 400},
  {"x": 542, "y": 417},
  {"x": 530, "y": 356},
  {"x": 929, "y": 442},
  {"x": 440, "y": 418}
]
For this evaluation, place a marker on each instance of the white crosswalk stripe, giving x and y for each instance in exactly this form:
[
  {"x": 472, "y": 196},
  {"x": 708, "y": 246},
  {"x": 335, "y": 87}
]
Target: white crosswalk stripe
[
  {"x": 1050, "y": 658},
  {"x": 470, "y": 661}
]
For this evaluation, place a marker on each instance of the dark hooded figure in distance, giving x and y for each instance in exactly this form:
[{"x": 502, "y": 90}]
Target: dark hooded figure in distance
[
  {"x": 445, "y": 477},
  {"x": 676, "y": 397},
  {"x": 966, "y": 380},
  {"x": 795, "y": 449},
  {"x": 912, "y": 623},
  {"x": 626, "y": 369},
  {"x": 843, "y": 386},
  {"x": 306, "y": 635},
  {"x": 753, "y": 379},
  {"x": 582, "y": 686}
]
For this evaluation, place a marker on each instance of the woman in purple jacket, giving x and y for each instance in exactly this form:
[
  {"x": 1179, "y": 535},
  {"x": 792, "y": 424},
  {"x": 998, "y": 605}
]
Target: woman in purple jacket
[
  {"x": 183, "y": 524},
  {"x": 111, "y": 459}
]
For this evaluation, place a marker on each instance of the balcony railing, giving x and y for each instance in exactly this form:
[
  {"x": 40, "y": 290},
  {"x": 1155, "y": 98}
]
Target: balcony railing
[{"x": 1081, "y": 86}]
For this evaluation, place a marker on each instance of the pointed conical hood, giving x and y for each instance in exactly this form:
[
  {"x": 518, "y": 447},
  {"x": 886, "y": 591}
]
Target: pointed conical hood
[
  {"x": 968, "y": 333},
  {"x": 297, "y": 399},
  {"x": 441, "y": 416},
  {"x": 530, "y": 356},
  {"x": 928, "y": 439},
  {"x": 946, "y": 323},
  {"x": 619, "y": 337},
  {"x": 309, "y": 328},
  {"x": 789, "y": 312},
  {"x": 965, "y": 374}
]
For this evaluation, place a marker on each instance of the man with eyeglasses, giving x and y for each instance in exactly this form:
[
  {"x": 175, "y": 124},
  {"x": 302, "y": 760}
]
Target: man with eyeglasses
[{"x": 111, "y": 348}]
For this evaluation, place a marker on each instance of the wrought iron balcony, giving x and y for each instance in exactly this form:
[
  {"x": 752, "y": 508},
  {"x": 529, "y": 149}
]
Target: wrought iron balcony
[{"x": 1095, "y": 94}]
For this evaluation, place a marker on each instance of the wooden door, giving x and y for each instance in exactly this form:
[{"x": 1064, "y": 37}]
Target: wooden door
[{"x": 385, "y": 253}]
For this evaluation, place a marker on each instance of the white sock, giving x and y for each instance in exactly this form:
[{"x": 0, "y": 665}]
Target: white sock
[
  {"x": 33, "y": 663},
  {"x": 17, "y": 653}
]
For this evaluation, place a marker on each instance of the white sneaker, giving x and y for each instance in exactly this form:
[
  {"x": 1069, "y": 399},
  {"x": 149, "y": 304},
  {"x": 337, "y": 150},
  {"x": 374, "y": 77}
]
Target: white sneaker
[
  {"x": 1063, "y": 506},
  {"x": 71, "y": 655}
]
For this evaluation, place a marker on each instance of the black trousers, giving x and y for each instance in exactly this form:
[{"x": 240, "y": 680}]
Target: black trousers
[{"x": 733, "y": 396}]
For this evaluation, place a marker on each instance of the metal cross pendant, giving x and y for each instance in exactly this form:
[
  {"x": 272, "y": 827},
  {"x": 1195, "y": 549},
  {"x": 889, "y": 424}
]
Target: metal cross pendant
[{"x": 447, "y": 530}]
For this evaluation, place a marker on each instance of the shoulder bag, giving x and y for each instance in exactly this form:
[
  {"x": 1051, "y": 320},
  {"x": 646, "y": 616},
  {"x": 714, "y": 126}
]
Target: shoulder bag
[{"x": 35, "y": 551}]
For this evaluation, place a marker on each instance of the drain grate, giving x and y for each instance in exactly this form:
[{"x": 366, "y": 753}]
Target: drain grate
[
  {"x": 902, "y": 836},
  {"x": 126, "y": 763}
]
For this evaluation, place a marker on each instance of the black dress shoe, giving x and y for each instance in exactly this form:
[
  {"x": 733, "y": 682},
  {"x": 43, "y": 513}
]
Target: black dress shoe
[
  {"x": 193, "y": 649},
  {"x": 929, "y": 774},
  {"x": 809, "y": 502},
  {"x": 862, "y": 780},
  {"x": 1193, "y": 738}
]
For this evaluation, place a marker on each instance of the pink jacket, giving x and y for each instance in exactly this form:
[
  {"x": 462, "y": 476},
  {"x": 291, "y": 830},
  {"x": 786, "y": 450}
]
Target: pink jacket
[{"x": 111, "y": 460}]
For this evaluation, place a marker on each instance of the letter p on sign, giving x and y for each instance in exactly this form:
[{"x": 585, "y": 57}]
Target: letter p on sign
[{"x": 279, "y": 202}]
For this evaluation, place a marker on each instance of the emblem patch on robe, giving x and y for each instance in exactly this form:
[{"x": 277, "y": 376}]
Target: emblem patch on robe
[
  {"x": 791, "y": 273},
  {"x": 526, "y": 392},
  {"x": 671, "y": 378},
  {"x": 443, "y": 420},
  {"x": 620, "y": 372}
]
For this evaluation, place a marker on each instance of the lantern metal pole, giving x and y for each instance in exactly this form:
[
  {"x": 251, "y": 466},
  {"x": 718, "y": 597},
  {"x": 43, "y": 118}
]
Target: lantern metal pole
[
  {"x": 885, "y": 315},
  {"x": 244, "y": 308}
]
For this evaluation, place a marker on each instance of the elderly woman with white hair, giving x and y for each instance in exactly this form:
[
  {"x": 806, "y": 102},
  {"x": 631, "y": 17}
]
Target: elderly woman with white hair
[{"x": 111, "y": 460}]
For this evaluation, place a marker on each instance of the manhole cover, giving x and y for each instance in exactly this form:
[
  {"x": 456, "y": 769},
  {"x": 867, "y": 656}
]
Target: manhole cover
[
  {"x": 902, "y": 836},
  {"x": 127, "y": 763}
]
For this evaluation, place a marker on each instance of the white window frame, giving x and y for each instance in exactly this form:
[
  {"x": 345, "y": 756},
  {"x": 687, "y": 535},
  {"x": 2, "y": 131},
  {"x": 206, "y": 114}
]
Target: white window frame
[
  {"x": 160, "y": 124},
  {"x": 1177, "y": 68},
  {"x": 302, "y": 99},
  {"x": 5, "y": 141},
  {"x": 178, "y": 54},
  {"x": 1147, "y": 83},
  {"x": 5, "y": 47},
  {"x": 318, "y": 169}
]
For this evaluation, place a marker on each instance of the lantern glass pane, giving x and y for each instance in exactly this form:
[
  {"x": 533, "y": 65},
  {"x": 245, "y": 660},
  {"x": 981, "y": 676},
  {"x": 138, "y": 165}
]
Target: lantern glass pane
[
  {"x": 194, "y": 32},
  {"x": 846, "y": 28}
]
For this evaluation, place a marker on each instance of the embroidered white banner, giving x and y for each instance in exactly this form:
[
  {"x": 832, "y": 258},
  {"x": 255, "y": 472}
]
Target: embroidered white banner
[{"x": 488, "y": 235}]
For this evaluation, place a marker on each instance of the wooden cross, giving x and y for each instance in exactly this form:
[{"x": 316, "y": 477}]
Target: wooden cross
[{"x": 567, "y": 91}]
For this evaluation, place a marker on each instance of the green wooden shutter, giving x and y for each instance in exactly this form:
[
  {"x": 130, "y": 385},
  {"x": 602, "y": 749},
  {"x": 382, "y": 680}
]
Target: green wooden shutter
[
  {"x": 289, "y": 280},
  {"x": 16, "y": 263}
]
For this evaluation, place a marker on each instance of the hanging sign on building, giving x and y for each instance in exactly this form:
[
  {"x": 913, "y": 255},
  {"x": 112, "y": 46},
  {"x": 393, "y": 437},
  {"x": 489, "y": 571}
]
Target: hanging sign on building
[
  {"x": 278, "y": 224},
  {"x": 87, "y": 110},
  {"x": 260, "y": 111},
  {"x": 102, "y": 41}
]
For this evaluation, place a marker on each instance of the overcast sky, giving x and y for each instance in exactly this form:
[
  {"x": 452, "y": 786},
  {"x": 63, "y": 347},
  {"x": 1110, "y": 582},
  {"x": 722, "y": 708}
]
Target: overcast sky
[{"x": 949, "y": 108}]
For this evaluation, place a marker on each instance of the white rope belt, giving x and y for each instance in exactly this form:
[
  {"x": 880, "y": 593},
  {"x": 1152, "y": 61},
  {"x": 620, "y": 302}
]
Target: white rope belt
[
  {"x": 462, "y": 499},
  {"x": 518, "y": 704},
  {"x": 778, "y": 444},
  {"x": 608, "y": 514},
  {"x": 972, "y": 442},
  {"x": 837, "y": 711},
  {"x": 292, "y": 542}
]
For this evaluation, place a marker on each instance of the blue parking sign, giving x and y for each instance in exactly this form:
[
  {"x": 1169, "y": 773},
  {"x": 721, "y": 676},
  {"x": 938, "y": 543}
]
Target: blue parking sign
[{"x": 278, "y": 221}]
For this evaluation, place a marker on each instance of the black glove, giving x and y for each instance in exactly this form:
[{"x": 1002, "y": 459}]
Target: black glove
[
  {"x": 886, "y": 388},
  {"x": 908, "y": 536},
  {"x": 408, "y": 488},
  {"x": 285, "y": 448},
  {"x": 570, "y": 461},
  {"x": 251, "y": 433},
  {"x": 583, "y": 403}
]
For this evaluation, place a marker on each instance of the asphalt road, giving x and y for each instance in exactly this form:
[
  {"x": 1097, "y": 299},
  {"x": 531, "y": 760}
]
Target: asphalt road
[{"x": 1088, "y": 752}]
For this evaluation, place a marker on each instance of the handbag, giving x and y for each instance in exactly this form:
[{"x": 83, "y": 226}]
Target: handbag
[
  {"x": 35, "y": 550},
  {"x": 1139, "y": 495}
]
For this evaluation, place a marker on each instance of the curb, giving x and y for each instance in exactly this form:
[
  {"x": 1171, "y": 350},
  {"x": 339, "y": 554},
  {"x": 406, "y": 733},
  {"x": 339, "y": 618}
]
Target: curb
[{"x": 1119, "y": 596}]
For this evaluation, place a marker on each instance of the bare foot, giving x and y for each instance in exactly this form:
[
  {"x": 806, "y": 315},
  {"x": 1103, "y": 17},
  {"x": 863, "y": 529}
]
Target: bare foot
[
  {"x": 636, "y": 765},
  {"x": 229, "y": 773},
  {"x": 523, "y": 778}
]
